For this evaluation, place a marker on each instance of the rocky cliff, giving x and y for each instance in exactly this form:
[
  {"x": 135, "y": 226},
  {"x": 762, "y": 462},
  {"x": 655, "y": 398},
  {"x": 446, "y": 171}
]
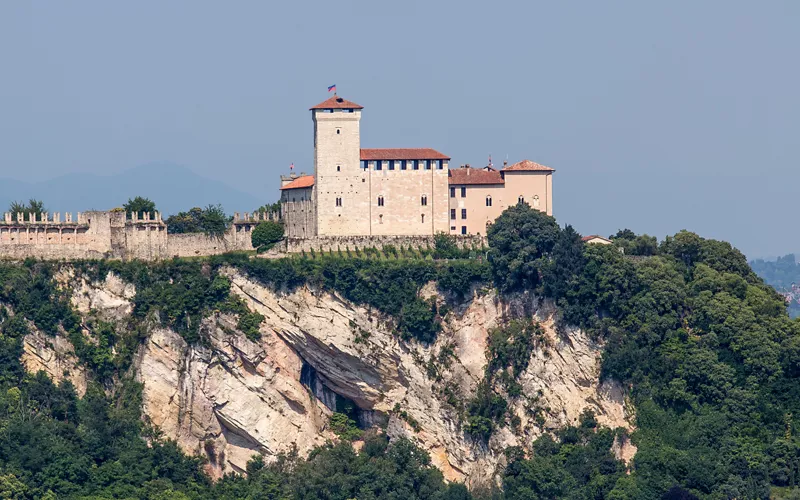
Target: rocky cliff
[{"x": 228, "y": 397}]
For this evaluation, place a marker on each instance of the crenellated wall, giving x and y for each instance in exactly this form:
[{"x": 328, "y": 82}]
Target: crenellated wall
[{"x": 116, "y": 235}]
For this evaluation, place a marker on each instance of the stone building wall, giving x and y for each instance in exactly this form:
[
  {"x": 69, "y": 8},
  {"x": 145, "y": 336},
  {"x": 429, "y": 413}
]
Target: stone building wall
[
  {"x": 299, "y": 215},
  {"x": 338, "y": 174},
  {"x": 402, "y": 191}
]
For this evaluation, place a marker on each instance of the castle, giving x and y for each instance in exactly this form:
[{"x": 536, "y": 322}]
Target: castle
[
  {"x": 356, "y": 198},
  {"x": 398, "y": 192}
]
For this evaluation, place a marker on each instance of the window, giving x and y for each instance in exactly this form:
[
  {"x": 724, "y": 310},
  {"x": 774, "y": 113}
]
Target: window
[
  {"x": 338, "y": 131},
  {"x": 452, "y": 228},
  {"x": 380, "y": 201},
  {"x": 521, "y": 199},
  {"x": 463, "y": 229},
  {"x": 452, "y": 192},
  {"x": 338, "y": 202},
  {"x": 427, "y": 164},
  {"x": 463, "y": 213},
  {"x": 364, "y": 164},
  {"x": 391, "y": 165},
  {"x": 488, "y": 201},
  {"x": 380, "y": 219},
  {"x": 413, "y": 164},
  {"x": 536, "y": 201},
  {"x": 338, "y": 168},
  {"x": 453, "y": 213},
  {"x": 439, "y": 164},
  {"x": 423, "y": 200},
  {"x": 378, "y": 165},
  {"x": 463, "y": 192},
  {"x": 400, "y": 164},
  {"x": 423, "y": 218}
]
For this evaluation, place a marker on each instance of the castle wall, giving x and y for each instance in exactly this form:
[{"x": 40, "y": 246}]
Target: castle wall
[
  {"x": 336, "y": 243},
  {"x": 99, "y": 235},
  {"x": 299, "y": 215},
  {"x": 402, "y": 212}
]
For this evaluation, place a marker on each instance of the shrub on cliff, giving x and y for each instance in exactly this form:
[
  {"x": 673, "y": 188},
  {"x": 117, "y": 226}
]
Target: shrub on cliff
[{"x": 266, "y": 234}]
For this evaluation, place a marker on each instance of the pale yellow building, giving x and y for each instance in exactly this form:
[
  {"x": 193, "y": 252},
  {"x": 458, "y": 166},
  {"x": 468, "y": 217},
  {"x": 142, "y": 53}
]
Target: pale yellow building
[
  {"x": 479, "y": 196},
  {"x": 398, "y": 191}
]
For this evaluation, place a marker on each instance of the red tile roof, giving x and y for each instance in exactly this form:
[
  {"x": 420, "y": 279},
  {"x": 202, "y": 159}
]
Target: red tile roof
[
  {"x": 337, "y": 102},
  {"x": 528, "y": 166},
  {"x": 466, "y": 176},
  {"x": 301, "y": 182},
  {"x": 402, "y": 154},
  {"x": 594, "y": 237}
]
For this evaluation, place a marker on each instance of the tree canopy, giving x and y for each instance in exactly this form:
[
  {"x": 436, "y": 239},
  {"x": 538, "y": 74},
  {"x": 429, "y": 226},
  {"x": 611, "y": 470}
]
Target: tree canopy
[
  {"x": 33, "y": 207},
  {"x": 210, "y": 221},
  {"x": 266, "y": 234},
  {"x": 139, "y": 206}
]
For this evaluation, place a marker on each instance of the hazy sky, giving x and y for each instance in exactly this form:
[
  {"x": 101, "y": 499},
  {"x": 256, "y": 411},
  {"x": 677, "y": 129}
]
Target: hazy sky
[{"x": 657, "y": 116}]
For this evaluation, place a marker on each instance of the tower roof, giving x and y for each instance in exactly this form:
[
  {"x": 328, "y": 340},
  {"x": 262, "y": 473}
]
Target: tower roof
[
  {"x": 304, "y": 181},
  {"x": 337, "y": 102},
  {"x": 528, "y": 166}
]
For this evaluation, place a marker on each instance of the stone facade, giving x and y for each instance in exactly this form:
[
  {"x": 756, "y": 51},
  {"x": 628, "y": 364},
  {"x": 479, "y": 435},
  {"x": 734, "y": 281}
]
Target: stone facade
[{"x": 114, "y": 234}]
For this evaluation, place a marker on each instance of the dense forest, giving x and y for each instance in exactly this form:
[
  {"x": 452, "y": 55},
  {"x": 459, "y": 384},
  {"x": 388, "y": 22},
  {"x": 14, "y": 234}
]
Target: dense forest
[
  {"x": 784, "y": 275},
  {"x": 706, "y": 349}
]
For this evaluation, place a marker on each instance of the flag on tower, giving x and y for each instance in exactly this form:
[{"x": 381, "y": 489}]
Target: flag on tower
[
  {"x": 332, "y": 87},
  {"x": 291, "y": 167}
]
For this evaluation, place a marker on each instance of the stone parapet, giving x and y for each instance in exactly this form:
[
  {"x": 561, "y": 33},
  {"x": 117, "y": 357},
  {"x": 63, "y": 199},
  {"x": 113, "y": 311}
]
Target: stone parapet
[{"x": 336, "y": 243}]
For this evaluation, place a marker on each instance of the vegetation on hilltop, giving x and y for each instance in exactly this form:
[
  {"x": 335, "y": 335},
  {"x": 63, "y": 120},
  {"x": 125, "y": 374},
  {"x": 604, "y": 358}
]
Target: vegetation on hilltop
[
  {"x": 211, "y": 221},
  {"x": 710, "y": 357},
  {"x": 139, "y": 206},
  {"x": 33, "y": 207}
]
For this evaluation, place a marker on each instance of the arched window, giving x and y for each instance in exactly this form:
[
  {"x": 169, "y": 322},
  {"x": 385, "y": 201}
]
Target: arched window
[
  {"x": 423, "y": 218},
  {"x": 488, "y": 200},
  {"x": 423, "y": 200},
  {"x": 521, "y": 199},
  {"x": 380, "y": 201},
  {"x": 338, "y": 202},
  {"x": 380, "y": 219}
]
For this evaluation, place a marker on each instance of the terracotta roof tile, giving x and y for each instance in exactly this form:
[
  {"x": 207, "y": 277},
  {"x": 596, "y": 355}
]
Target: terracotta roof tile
[
  {"x": 528, "y": 166},
  {"x": 465, "y": 176},
  {"x": 301, "y": 182},
  {"x": 337, "y": 102},
  {"x": 402, "y": 154},
  {"x": 595, "y": 237}
]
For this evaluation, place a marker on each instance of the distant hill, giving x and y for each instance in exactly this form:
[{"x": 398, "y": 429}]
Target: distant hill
[{"x": 174, "y": 188}]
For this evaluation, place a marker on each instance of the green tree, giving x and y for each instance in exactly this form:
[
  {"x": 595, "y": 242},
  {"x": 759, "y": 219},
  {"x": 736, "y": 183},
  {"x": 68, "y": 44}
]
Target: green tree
[
  {"x": 518, "y": 240},
  {"x": 33, "y": 208},
  {"x": 210, "y": 221},
  {"x": 139, "y": 206},
  {"x": 266, "y": 234}
]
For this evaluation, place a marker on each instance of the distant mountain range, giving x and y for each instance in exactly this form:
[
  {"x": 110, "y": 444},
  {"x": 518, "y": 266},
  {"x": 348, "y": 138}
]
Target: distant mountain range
[{"x": 172, "y": 187}]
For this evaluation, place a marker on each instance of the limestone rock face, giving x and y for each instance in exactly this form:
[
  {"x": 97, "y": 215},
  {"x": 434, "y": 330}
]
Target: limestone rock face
[
  {"x": 230, "y": 398},
  {"x": 54, "y": 355}
]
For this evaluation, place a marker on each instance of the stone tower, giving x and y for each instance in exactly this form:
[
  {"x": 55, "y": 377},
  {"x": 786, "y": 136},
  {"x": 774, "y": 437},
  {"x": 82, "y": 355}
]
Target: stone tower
[{"x": 341, "y": 190}]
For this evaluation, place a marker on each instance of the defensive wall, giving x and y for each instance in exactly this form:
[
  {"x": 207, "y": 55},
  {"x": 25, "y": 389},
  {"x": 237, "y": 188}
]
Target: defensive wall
[
  {"x": 115, "y": 235},
  {"x": 336, "y": 243},
  {"x": 127, "y": 236}
]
